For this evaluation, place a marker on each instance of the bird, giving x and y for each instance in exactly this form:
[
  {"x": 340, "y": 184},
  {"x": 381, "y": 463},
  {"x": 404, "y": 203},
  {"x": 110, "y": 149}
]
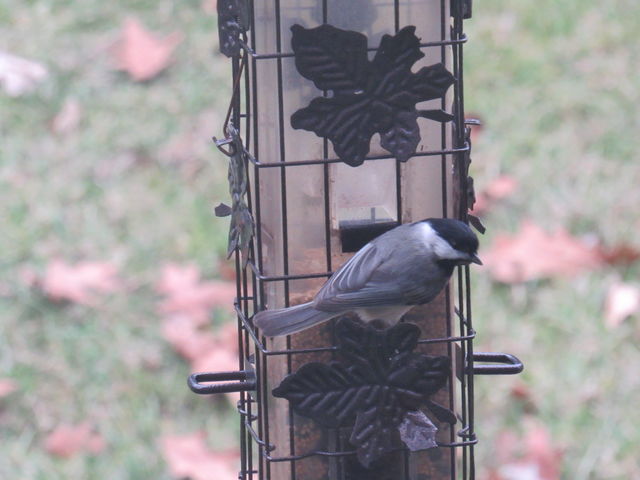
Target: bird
[{"x": 406, "y": 266}]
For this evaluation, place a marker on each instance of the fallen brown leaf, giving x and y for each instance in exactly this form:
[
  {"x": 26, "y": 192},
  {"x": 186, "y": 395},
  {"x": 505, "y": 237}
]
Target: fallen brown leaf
[
  {"x": 79, "y": 283},
  {"x": 532, "y": 456},
  {"x": 522, "y": 393},
  {"x": 209, "y": 6},
  {"x": 142, "y": 54},
  {"x": 541, "y": 452},
  {"x": 188, "y": 456},
  {"x": 7, "y": 387},
  {"x": 533, "y": 254},
  {"x": 186, "y": 338},
  {"x": 622, "y": 301},
  {"x": 69, "y": 440},
  {"x": 205, "y": 351},
  {"x": 226, "y": 270},
  {"x": 186, "y": 295},
  {"x": 19, "y": 76},
  {"x": 621, "y": 255},
  {"x": 68, "y": 118},
  {"x": 221, "y": 358},
  {"x": 498, "y": 189}
]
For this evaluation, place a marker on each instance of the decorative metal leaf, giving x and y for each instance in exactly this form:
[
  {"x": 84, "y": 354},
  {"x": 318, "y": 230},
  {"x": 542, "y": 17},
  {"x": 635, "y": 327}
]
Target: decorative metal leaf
[
  {"x": 222, "y": 210},
  {"x": 368, "y": 97},
  {"x": 333, "y": 59},
  {"x": 437, "y": 115},
  {"x": 330, "y": 394},
  {"x": 233, "y": 20},
  {"x": 375, "y": 432},
  {"x": 380, "y": 380},
  {"x": 242, "y": 226},
  {"x": 441, "y": 413},
  {"x": 403, "y": 137},
  {"x": 417, "y": 431}
]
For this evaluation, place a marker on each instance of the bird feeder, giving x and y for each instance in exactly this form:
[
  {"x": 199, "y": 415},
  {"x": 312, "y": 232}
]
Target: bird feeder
[{"x": 346, "y": 120}]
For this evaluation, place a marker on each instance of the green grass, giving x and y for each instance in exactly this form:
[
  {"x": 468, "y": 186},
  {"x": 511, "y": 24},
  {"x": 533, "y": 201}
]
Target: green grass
[
  {"x": 556, "y": 84},
  {"x": 111, "y": 190}
]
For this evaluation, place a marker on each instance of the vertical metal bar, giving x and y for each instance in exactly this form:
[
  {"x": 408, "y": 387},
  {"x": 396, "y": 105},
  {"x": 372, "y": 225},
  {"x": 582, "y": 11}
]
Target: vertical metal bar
[
  {"x": 463, "y": 274},
  {"x": 336, "y": 465},
  {"x": 325, "y": 156},
  {"x": 396, "y": 27},
  {"x": 444, "y": 30},
  {"x": 245, "y": 397},
  {"x": 283, "y": 196},
  {"x": 396, "y": 15},
  {"x": 470, "y": 383},
  {"x": 258, "y": 217}
]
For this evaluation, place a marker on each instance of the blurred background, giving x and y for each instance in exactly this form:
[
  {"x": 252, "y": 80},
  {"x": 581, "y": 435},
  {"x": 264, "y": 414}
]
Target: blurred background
[{"x": 114, "y": 286}]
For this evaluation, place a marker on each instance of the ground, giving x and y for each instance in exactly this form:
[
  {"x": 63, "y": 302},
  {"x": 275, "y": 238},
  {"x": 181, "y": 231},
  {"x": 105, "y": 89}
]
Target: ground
[{"x": 556, "y": 86}]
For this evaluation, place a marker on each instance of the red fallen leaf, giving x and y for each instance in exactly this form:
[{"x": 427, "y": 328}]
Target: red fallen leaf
[
  {"x": 80, "y": 282},
  {"x": 498, "y": 189},
  {"x": 541, "y": 452},
  {"x": 532, "y": 254},
  {"x": 188, "y": 456},
  {"x": 68, "y": 118},
  {"x": 68, "y": 440},
  {"x": 538, "y": 458},
  {"x": 622, "y": 301},
  {"x": 177, "y": 277},
  {"x": 7, "y": 387},
  {"x": 521, "y": 392},
  {"x": 142, "y": 54},
  {"x": 188, "y": 340},
  {"x": 227, "y": 271},
  {"x": 187, "y": 295},
  {"x": 218, "y": 359},
  {"x": 209, "y": 6},
  {"x": 206, "y": 351},
  {"x": 621, "y": 255}
]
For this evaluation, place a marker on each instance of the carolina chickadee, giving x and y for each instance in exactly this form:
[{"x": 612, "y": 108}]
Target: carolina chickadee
[{"x": 406, "y": 266}]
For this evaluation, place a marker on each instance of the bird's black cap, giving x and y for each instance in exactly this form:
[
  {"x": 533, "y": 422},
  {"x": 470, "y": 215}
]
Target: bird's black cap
[{"x": 457, "y": 233}]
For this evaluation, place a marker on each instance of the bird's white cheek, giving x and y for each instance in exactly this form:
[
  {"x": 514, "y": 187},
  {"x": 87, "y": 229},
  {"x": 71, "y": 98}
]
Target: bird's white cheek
[{"x": 443, "y": 250}]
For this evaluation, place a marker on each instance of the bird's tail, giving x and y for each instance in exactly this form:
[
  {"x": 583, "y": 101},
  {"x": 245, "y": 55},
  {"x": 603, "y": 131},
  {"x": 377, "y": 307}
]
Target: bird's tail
[{"x": 285, "y": 321}]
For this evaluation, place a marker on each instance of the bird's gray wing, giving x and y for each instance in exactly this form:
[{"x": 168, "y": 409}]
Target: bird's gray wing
[{"x": 358, "y": 283}]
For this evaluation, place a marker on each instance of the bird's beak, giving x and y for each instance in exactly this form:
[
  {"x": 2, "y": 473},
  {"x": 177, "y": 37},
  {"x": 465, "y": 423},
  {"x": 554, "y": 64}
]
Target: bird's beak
[{"x": 475, "y": 259}]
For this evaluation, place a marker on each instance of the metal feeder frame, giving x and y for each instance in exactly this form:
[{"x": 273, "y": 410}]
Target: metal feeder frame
[{"x": 258, "y": 452}]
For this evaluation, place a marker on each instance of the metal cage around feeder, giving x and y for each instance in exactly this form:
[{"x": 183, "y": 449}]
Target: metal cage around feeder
[{"x": 358, "y": 74}]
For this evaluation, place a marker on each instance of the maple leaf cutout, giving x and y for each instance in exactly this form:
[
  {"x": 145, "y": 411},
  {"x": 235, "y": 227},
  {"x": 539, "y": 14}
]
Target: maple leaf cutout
[
  {"x": 142, "y": 54},
  {"x": 532, "y": 254},
  {"x": 79, "y": 283},
  {"x": 369, "y": 97},
  {"x": 188, "y": 456},
  {"x": 69, "y": 440}
]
